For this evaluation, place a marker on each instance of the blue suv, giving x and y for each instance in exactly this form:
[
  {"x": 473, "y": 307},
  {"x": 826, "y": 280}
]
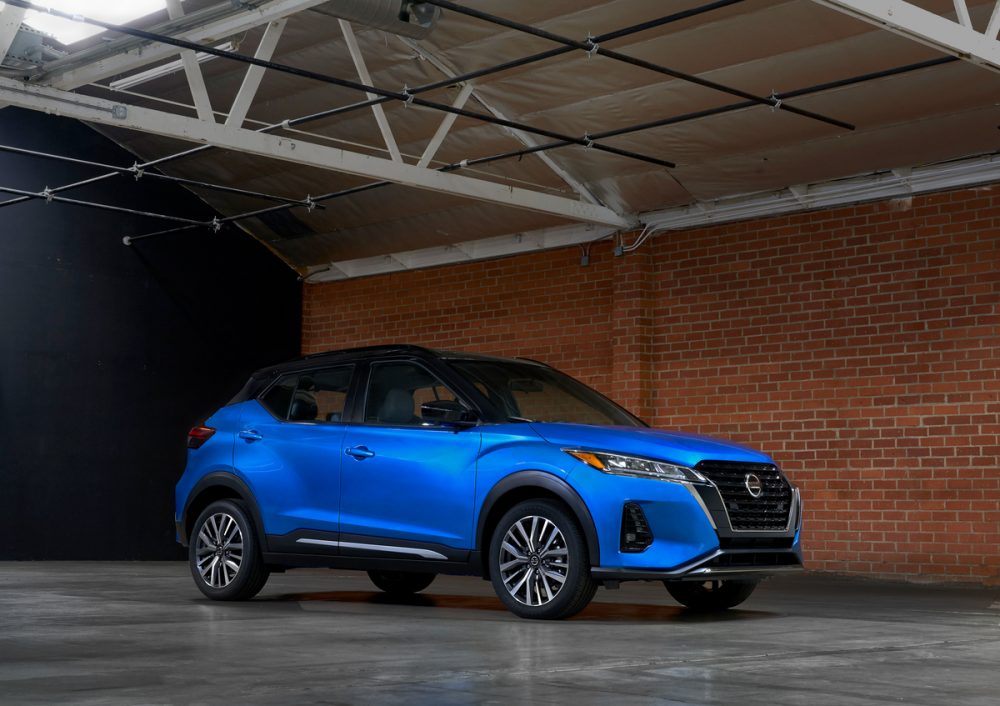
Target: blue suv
[{"x": 409, "y": 462}]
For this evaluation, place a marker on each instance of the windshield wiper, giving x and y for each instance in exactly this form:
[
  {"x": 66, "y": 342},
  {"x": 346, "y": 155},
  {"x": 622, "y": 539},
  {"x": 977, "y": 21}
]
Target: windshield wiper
[{"x": 519, "y": 419}]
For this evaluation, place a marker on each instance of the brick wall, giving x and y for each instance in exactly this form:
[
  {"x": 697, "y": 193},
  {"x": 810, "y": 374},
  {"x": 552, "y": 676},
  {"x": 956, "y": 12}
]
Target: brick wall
[{"x": 858, "y": 346}]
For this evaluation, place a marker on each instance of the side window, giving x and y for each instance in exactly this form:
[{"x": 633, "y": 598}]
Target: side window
[
  {"x": 397, "y": 391},
  {"x": 312, "y": 396},
  {"x": 279, "y": 396}
]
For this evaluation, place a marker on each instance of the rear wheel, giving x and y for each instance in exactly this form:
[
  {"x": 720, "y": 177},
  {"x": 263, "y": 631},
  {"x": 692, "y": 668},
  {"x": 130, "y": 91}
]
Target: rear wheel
[
  {"x": 224, "y": 554},
  {"x": 400, "y": 583},
  {"x": 709, "y": 596},
  {"x": 539, "y": 563}
]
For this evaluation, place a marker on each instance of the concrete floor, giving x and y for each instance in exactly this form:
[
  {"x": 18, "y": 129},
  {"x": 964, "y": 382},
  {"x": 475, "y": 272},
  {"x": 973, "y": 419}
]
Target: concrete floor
[{"x": 140, "y": 633}]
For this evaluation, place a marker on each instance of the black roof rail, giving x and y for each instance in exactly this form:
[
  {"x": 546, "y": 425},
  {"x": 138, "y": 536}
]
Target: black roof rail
[
  {"x": 385, "y": 347},
  {"x": 532, "y": 360}
]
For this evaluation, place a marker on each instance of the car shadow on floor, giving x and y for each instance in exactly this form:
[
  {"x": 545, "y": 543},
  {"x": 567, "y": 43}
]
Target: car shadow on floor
[{"x": 597, "y": 611}]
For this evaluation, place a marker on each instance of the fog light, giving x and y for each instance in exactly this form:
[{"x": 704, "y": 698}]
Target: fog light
[{"x": 636, "y": 535}]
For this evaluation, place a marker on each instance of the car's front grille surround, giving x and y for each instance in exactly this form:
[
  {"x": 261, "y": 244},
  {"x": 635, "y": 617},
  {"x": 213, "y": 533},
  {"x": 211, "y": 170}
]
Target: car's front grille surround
[{"x": 767, "y": 513}]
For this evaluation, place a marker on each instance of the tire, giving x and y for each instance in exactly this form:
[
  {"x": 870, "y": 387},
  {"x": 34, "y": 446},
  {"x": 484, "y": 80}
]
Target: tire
[
  {"x": 539, "y": 564},
  {"x": 401, "y": 583},
  {"x": 710, "y": 596},
  {"x": 225, "y": 569}
]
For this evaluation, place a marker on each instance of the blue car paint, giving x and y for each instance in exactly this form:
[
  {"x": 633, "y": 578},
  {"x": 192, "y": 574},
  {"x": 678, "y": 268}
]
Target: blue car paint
[
  {"x": 675, "y": 447},
  {"x": 419, "y": 485},
  {"x": 430, "y": 484},
  {"x": 214, "y": 456},
  {"x": 295, "y": 466}
]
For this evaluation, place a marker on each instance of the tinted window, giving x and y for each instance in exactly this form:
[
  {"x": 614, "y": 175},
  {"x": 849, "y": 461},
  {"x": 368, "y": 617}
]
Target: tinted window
[
  {"x": 312, "y": 396},
  {"x": 396, "y": 392},
  {"x": 525, "y": 391}
]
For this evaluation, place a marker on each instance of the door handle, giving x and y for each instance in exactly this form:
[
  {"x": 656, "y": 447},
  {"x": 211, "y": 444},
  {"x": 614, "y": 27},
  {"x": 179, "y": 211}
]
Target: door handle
[
  {"x": 359, "y": 452},
  {"x": 250, "y": 435}
]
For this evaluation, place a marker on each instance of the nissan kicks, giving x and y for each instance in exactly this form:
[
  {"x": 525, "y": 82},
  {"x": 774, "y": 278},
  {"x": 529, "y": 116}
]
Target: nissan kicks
[{"x": 407, "y": 462}]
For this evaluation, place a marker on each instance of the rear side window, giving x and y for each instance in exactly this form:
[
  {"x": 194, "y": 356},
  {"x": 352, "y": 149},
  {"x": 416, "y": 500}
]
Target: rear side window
[{"x": 311, "y": 396}]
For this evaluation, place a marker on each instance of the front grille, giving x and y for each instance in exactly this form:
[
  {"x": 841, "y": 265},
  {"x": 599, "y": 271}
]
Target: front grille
[{"x": 768, "y": 512}]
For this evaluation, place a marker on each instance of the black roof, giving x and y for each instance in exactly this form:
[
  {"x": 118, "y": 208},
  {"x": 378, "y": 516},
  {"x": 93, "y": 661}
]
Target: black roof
[{"x": 374, "y": 351}]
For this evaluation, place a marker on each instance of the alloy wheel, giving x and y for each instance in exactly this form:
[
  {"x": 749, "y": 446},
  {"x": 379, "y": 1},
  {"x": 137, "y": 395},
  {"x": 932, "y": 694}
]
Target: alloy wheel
[
  {"x": 219, "y": 550},
  {"x": 534, "y": 560}
]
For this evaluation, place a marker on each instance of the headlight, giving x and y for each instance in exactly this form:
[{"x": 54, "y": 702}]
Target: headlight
[{"x": 619, "y": 465}]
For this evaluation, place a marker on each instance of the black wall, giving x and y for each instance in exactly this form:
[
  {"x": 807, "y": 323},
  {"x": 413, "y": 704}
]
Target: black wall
[{"x": 109, "y": 354}]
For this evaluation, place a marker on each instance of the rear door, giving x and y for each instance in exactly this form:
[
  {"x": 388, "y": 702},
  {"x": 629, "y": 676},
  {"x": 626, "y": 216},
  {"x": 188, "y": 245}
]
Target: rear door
[
  {"x": 408, "y": 483},
  {"x": 289, "y": 449}
]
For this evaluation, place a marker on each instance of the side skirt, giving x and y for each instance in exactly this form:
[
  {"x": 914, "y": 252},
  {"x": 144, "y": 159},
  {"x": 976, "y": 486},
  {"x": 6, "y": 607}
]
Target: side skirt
[{"x": 311, "y": 548}]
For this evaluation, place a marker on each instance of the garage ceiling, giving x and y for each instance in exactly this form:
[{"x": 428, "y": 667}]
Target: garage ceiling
[{"x": 944, "y": 110}]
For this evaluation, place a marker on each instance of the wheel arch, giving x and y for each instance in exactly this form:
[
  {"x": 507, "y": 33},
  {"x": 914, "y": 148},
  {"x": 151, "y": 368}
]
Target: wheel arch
[
  {"x": 530, "y": 485},
  {"x": 219, "y": 486}
]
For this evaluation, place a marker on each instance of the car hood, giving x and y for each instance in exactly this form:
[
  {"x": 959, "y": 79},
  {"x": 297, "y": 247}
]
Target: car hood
[{"x": 676, "y": 447}]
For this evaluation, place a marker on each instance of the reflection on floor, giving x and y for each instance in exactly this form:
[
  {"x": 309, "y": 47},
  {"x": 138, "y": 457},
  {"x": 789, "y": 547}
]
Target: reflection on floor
[{"x": 127, "y": 633}]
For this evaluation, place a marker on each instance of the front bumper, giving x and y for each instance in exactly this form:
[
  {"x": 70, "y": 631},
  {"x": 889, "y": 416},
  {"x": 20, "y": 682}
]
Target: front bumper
[
  {"x": 694, "y": 538},
  {"x": 721, "y": 564}
]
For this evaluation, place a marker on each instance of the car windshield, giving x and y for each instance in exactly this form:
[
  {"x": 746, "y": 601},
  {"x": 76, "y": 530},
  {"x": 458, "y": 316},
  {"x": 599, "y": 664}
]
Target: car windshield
[{"x": 529, "y": 392}]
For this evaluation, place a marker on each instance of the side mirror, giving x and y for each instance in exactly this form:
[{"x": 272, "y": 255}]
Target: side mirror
[{"x": 448, "y": 413}]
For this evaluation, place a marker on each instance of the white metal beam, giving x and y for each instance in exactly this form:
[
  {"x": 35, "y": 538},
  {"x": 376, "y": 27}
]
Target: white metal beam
[
  {"x": 871, "y": 187},
  {"x": 10, "y": 22},
  {"x": 251, "y": 82},
  {"x": 947, "y": 35},
  {"x": 993, "y": 29},
  {"x": 192, "y": 70},
  {"x": 445, "y": 126},
  {"x": 962, "y": 12},
  {"x": 150, "y": 52},
  {"x": 181, "y": 127},
  {"x": 485, "y": 248},
  {"x": 362, "y": 69},
  {"x": 524, "y": 138}
]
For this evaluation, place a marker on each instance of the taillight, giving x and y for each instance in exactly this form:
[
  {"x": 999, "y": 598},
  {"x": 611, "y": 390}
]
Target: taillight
[{"x": 198, "y": 436}]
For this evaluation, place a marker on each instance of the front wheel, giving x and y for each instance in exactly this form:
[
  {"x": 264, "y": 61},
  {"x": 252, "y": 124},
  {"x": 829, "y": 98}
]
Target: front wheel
[
  {"x": 710, "y": 596},
  {"x": 224, "y": 555},
  {"x": 400, "y": 583},
  {"x": 538, "y": 562}
]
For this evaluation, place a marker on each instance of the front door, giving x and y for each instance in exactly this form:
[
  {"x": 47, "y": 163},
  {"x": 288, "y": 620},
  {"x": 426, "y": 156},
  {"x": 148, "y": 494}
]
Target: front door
[{"x": 406, "y": 477}]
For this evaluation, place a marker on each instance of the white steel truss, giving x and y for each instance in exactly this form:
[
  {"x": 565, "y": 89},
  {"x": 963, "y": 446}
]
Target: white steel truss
[
  {"x": 180, "y": 127},
  {"x": 445, "y": 126},
  {"x": 377, "y": 110},
  {"x": 10, "y": 22},
  {"x": 897, "y": 183},
  {"x": 952, "y": 36},
  {"x": 255, "y": 74},
  {"x": 192, "y": 70},
  {"x": 146, "y": 53},
  {"x": 525, "y": 139}
]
